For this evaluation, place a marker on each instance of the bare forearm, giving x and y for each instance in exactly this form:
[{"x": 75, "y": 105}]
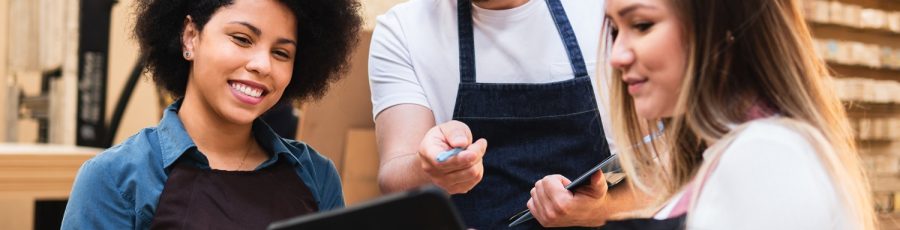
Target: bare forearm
[
  {"x": 401, "y": 173},
  {"x": 399, "y": 131}
]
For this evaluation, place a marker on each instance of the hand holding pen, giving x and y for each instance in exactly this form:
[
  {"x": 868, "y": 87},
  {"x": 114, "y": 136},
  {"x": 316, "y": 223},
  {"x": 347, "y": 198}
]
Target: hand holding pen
[{"x": 460, "y": 166}]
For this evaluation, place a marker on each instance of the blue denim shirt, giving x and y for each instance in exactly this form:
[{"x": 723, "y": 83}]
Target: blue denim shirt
[{"x": 120, "y": 187}]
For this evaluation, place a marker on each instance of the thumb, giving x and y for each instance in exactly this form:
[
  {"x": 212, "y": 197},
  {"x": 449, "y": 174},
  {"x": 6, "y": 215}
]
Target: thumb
[
  {"x": 456, "y": 134},
  {"x": 597, "y": 187}
]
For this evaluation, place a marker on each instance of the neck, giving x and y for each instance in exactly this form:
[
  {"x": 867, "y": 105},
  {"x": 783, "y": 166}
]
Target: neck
[
  {"x": 499, "y": 4},
  {"x": 213, "y": 134}
]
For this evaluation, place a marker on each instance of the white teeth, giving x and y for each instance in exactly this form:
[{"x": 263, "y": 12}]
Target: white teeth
[{"x": 246, "y": 89}]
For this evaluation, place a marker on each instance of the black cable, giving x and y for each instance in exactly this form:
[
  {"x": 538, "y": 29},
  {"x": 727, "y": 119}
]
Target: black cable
[{"x": 123, "y": 101}]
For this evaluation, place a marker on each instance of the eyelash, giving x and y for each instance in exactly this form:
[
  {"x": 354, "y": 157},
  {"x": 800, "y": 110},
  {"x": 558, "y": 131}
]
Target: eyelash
[
  {"x": 282, "y": 54},
  {"x": 613, "y": 32},
  {"x": 245, "y": 42},
  {"x": 642, "y": 26},
  {"x": 241, "y": 41}
]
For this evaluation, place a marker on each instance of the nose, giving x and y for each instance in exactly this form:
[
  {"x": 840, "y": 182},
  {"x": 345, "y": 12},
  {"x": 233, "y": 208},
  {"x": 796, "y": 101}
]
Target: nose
[
  {"x": 260, "y": 63},
  {"x": 621, "y": 56}
]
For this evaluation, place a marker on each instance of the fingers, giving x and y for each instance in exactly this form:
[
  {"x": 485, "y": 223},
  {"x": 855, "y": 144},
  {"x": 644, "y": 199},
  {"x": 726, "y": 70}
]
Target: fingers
[
  {"x": 550, "y": 200},
  {"x": 460, "y": 173},
  {"x": 596, "y": 188},
  {"x": 463, "y": 177},
  {"x": 449, "y": 135},
  {"x": 555, "y": 206},
  {"x": 456, "y": 134}
]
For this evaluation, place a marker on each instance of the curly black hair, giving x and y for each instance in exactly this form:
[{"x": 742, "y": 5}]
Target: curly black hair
[{"x": 326, "y": 31}]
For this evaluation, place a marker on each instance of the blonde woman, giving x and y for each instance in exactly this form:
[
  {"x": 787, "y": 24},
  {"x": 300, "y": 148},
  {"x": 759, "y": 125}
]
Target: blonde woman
[{"x": 754, "y": 137}]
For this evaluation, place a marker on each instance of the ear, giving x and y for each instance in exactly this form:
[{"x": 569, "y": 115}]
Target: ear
[{"x": 189, "y": 37}]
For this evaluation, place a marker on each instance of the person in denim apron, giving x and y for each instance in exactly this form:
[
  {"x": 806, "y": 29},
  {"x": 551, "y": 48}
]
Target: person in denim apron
[
  {"x": 533, "y": 99},
  {"x": 534, "y": 129}
]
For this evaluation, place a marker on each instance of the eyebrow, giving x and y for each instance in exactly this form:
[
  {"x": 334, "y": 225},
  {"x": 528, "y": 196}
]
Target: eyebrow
[
  {"x": 258, "y": 32},
  {"x": 633, "y": 7},
  {"x": 252, "y": 28},
  {"x": 286, "y": 41}
]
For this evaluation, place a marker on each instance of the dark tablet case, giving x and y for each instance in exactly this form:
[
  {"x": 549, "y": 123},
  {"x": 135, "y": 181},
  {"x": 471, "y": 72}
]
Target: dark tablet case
[{"x": 427, "y": 207}]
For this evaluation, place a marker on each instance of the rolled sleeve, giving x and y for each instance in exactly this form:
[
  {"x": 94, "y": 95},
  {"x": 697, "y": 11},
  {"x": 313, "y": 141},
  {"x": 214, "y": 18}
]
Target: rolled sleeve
[{"x": 392, "y": 78}]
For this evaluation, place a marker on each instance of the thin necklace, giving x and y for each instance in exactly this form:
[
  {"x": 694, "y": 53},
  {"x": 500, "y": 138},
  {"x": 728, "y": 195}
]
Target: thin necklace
[{"x": 241, "y": 166}]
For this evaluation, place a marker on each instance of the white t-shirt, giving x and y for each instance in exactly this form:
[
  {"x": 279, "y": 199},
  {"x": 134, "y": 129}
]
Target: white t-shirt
[
  {"x": 770, "y": 177},
  {"x": 414, "y": 54}
]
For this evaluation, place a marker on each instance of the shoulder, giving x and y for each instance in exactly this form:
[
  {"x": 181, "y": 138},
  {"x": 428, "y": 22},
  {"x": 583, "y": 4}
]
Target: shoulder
[
  {"x": 417, "y": 6},
  {"x": 129, "y": 155},
  {"x": 414, "y": 15},
  {"x": 769, "y": 150},
  {"x": 124, "y": 168},
  {"x": 769, "y": 177},
  {"x": 771, "y": 134}
]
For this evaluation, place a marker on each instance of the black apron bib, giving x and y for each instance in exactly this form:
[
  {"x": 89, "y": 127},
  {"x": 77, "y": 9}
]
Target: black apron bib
[
  {"x": 673, "y": 223},
  {"x": 195, "y": 198},
  {"x": 534, "y": 130}
]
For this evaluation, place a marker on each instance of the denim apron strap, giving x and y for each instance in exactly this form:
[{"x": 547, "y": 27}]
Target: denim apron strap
[
  {"x": 466, "y": 41},
  {"x": 568, "y": 37}
]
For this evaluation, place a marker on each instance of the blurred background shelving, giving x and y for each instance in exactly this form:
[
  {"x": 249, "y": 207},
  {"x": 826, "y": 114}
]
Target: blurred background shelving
[{"x": 860, "y": 41}]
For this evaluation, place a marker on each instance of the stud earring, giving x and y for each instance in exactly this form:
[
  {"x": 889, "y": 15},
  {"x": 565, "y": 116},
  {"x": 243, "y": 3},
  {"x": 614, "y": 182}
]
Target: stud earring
[
  {"x": 187, "y": 54},
  {"x": 729, "y": 37}
]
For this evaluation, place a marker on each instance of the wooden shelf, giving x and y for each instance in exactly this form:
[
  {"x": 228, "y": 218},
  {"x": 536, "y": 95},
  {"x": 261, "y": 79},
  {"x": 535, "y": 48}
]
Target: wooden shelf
[
  {"x": 870, "y": 36},
  {"x": 854, "y": 71},
  {"x": 889, "y": 221},
  {"x": 35, "y": 172},
  {"x": 886, "y": 5},
  {"x": 832, "y": 26},
  {"x": 872, "y": 110},
  {"x": 883, "y": 183}
]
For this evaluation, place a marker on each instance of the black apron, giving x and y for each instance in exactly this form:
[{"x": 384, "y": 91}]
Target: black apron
[
  {"x": 534, "y": 130},
  {"x": 195, "y": 198},
  {"x": 673, "y": 223}
]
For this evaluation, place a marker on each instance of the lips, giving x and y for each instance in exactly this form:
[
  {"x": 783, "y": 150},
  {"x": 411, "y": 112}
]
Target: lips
[
  {"x": 634, "y": 83},
  {"x": 247, "y": 91},
  {"x": 248, "y": 88}
]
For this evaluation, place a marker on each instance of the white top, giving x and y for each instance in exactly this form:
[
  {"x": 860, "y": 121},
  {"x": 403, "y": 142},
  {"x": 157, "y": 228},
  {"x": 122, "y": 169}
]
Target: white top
[
  {"x": 769, "y": 178},
  {"x": 414, "y": 54}
]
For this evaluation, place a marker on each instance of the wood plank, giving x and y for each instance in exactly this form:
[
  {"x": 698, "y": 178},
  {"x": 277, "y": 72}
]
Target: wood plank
[
  {"x": 848, "y": 71},
  {"x": 879, "y": 37},
  {"x": 16, "y": 213},
  {"x": 30, "y": 172},
  {"x": 886, "y": 5},
  {"x": 361, "y": 162}
]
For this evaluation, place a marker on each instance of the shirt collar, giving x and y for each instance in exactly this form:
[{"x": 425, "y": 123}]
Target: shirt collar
[
  {"x": 173, "y": 138},
  {"x": 175, "y": 141},
  {"x": 269, "y": 140}
]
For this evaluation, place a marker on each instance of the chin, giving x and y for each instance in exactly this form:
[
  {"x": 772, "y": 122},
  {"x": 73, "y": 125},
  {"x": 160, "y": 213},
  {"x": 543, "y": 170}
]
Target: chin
[
  {"x": 241, "y": 115},
  {"x": 646, "y": 111}
]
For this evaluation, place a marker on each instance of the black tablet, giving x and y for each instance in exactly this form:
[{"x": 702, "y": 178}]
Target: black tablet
[{"x": 427, "y": 207}]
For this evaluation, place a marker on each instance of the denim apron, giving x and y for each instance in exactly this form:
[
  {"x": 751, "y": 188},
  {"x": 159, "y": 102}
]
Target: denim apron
[{"x": 533, "y": 130}]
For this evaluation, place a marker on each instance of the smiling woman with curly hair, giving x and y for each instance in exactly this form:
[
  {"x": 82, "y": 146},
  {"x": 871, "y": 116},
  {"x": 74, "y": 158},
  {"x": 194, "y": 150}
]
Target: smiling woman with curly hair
[{"x": 211, "y": 162}]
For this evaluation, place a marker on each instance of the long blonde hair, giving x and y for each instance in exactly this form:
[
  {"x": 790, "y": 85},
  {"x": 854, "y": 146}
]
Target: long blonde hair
[{"x": 741, "y": 54}]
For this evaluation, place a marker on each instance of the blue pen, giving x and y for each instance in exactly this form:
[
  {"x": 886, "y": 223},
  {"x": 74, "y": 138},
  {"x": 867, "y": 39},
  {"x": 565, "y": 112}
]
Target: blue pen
[{"x": 444, "y": 156}]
